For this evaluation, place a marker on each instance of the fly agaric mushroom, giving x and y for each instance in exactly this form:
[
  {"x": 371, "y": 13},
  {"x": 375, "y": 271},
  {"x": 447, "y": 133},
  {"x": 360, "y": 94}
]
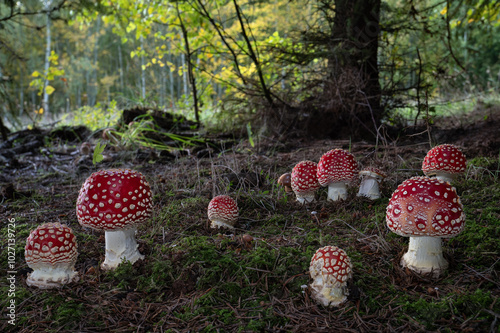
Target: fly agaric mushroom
[
  {"x": 330, "y": 269},
  {"x": 51, "y": 252},
  {"x": 445, "y": 162},
  {"x": 370, "y": 180},
  {"x": 336, "y": 168},
  {"x": 426, "y": 210},
  {"x": 286, "y": 181},
  {"x": 116, "y": 201},
  {"x": 304, "y": 181},
  {"x": 222, "y": 212}
]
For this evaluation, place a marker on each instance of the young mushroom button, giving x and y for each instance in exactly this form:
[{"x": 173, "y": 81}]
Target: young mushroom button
[
  {"x": 426, "y": 210},
  {"x": 330, "y": 270},
  {"x": 336, "y": 168},
  {"x": 222, "y": 212},
  {"x": 370, "y": 180},
  {"x": 304, "y": 181},
  {"x": 285, "y": 180},
  {"x": 116, "y": 201},
  {"x": 445, "y": 162},
  {"x": 51, "y": 252}
]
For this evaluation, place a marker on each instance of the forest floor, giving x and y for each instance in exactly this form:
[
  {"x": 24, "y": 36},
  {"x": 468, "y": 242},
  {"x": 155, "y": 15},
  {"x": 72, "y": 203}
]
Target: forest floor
[{"x": 196, "y": 279}]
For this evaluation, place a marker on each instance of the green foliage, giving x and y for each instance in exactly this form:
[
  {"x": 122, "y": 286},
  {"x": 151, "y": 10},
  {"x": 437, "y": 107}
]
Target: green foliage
[
  {"x": 95, "y": 118},
  {"x": 98, "y": 157}
]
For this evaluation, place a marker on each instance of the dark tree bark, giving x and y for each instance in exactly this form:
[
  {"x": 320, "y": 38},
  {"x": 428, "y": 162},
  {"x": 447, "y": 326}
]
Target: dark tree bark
[
  {"x": 352, "y": 64},
  {"x": 350, "y": 101}
]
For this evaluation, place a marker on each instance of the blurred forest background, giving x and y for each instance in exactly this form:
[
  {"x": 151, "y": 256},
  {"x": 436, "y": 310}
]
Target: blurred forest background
[{"x": 311, "y": 65}]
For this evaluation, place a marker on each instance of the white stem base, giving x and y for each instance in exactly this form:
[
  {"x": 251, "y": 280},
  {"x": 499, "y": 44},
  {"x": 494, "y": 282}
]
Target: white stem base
[
  {"x": 444, "y": 176},
  {"x": 216, "y": 224},
  {"x": 337, "y": 191},
  {"x": 305, "y": 197},
  {"x": 328, "y": 295},
  {"x": 369, "y": 188},
  {"x": 50, "y": 277},
  {"x": 425, "y": 255},
  {"x": 120, "y": 244}
]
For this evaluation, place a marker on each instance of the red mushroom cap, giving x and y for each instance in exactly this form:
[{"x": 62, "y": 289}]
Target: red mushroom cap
[
  {"x": 446, "y": 158},
  {"x": 114, "y": 199},
  {"x": 333, "y": 263},
  {"x": 304, "y": 179},
  {"x": 51, "y": 244},
  {"x": 423, "y": 206},
  {"x": 224, "y": 209},
  {"x": 337, "y": 165}
]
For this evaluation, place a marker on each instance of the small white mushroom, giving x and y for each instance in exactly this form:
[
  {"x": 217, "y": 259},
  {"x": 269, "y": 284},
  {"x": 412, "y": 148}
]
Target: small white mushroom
[{"x": 370, "y": 180}]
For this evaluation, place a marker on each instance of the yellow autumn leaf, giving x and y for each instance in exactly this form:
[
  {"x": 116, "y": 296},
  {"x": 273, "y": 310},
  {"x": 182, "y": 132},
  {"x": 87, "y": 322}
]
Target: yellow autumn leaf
[
  {"x": 444, "y": 11},
  {"x": 39, "y": 111},
  {"x": 49, "y": 90},
  {"x": 153, "y": 60},
  {"x": 35, "y": 74}
]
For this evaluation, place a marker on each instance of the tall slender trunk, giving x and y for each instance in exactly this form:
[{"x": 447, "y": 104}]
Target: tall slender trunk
[
  {"x": 143, "y": 73},
  {"x": 171, "y": 76},
  {"x": 92, "y": 98},
  {"x": 120, "y": 62},
  {"x": 190, "y": 70},
  {"x": 45, "y": 99}
]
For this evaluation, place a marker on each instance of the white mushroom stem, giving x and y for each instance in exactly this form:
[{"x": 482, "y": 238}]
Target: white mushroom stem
[
  {"x": 305, "y": 197},
  {"x": 369, "y": 188},
  {"x": 52, "y": 277},
  {"x": 445, "y": 176},
  {"x": 425, "y": 255},
  {"x": 337, "y": 191},
  {"x": 328, "y": 294},
  {"x": 217, "y": 223},
  {"x": 120, "y": 244}
]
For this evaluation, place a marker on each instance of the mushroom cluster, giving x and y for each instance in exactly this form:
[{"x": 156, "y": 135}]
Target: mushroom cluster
[
  {"x": 51, "y": 252},
  {"x": 115, "y": 201}
]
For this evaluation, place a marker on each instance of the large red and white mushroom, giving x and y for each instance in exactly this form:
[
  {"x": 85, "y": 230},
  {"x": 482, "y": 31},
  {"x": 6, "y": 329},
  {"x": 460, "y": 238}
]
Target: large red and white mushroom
[
  {"x": 445, "y": 162},
  {"x": 222, "y": 212},
  {"x": 304, "y": 181},
  {"x": 426, "y": 210},
  {"x": 330, "y": 270},
  {"x": 115, "y": 201},
  {"x": 51, "y": 252},
  {"x": 336, "y": 168},
  {"x": 370, "y": 179}
]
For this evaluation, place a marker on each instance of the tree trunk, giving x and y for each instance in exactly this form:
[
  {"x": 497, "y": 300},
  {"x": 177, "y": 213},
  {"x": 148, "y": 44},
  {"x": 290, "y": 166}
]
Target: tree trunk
[
  {"x": 45, "y": 99},
  {"x": 143, "y": 73},
  {"x": 353, "y": 74}
]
